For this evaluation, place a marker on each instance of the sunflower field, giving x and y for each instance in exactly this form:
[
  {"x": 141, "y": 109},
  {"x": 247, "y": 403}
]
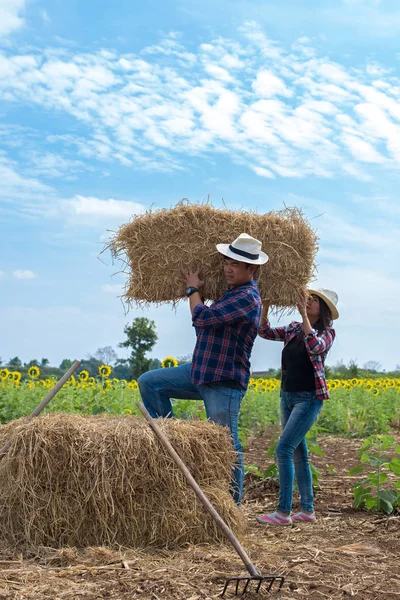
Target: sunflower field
[{"x": 356, "y": 408}]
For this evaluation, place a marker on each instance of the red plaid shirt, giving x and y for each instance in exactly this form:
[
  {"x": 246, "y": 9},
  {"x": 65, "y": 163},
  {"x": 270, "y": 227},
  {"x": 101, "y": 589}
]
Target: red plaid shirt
[
  {"x": 225, "y": 332},
  {"x": 317, "y": 346}
]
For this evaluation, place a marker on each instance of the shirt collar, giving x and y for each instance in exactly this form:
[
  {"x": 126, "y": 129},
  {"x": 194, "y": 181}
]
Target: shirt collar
[{"x": 251, "y": 283}]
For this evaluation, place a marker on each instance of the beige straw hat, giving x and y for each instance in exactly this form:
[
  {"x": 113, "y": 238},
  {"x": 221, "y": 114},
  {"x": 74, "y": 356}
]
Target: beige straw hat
[
  {"x": 244, "y": 249},
  {"x": 329, "y": 297}
]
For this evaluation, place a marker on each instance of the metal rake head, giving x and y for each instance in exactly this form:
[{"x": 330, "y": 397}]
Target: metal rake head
[{"x": 244, "y": 584}]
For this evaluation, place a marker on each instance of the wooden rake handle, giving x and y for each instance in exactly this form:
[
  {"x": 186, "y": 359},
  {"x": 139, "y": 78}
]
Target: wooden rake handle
[
  {"x": 45, "y": 401},
  {"x": 198, "y": 491}
]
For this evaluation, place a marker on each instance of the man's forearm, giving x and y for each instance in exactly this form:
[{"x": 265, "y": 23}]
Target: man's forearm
[{"x": 194, "y": 300}]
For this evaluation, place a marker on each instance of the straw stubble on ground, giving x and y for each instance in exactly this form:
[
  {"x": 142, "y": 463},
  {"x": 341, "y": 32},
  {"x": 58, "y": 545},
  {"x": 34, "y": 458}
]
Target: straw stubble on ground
[{"x": 345, "y": 554}]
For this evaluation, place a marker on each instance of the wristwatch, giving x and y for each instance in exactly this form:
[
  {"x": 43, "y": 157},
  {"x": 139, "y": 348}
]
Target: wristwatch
[{"x": 191, "y": 290}]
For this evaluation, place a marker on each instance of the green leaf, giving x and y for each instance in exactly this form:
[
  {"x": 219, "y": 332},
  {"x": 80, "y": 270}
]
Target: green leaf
[
  {"x": 253, "y": 469},
  {"x": 373, "y": 479},
  {"x": 377, "y": 461},
  {"x": 371, "y": 502},
  {"x": 360, "y": 498},
  {"x": 387, "y": 442},
  {"x": 386, "y": 506},
  {"x": 394, "y": 465},
  {"x": 388, "y": 495},
  {"x": 272, "y": 447},
  {"x": 356, "y": 470},
  {"x": 316, "y": 450},
  {"x": 270, "y": 472},
  {"x": 365, "y": 457}
]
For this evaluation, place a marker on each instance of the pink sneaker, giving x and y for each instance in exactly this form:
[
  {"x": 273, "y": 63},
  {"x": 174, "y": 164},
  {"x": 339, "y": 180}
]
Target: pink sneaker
[
  {"x": 301, "y": 517},
  {"x": 274, "y": 518}
]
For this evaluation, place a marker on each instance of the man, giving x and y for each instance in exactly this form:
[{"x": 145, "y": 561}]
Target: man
[{"x": 225, "y": 331}]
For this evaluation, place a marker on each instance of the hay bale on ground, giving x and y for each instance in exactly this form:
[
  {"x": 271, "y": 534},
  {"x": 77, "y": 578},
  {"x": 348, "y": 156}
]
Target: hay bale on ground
[
  {"x": 157, "y": 246},
  {"x": 70, "y": 480}
]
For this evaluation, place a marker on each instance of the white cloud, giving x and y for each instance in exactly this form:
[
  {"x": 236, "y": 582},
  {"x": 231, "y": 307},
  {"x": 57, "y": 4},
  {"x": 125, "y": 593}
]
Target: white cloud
[
  {"x": 295, "y": 117},
  {"x": 24, "y": 274},
  {"x": 263, "y": 172},
  {"x": 112, "y": 288},
  {"x": 362, "y": 150},
  {"x": 82, "y": 207},
  {"x": 10, "y": 15},
  {"x": 45, "y": 16},
  {"x": 267, "y": 84}
]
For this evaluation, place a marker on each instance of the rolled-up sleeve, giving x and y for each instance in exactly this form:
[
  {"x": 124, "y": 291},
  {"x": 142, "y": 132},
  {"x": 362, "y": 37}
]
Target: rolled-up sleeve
[
  {"x": 319, "y": 343},
  {"x": 272, "y": 333},
  {"x": 240, "y": 309}
]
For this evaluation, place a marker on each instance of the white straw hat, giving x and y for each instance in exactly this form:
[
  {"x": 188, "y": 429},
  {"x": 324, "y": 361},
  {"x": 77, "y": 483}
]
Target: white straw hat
[
  {"x": 244, "y": 249},
  {"x": 329, "y": 297}
]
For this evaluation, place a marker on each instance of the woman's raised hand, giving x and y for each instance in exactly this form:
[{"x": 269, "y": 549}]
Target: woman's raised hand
[
  {"x": 264, "y": 315},
  {"x": 302, "y": 303}
]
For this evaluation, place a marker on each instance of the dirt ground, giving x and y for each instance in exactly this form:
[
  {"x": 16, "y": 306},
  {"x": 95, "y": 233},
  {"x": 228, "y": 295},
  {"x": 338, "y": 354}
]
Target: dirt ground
[{"x": 346, "y": 553}]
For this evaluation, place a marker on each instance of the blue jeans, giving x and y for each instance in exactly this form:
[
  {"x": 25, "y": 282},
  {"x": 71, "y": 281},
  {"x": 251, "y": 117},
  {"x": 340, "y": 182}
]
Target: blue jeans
[
  {"x": 222, "y": 406},
  {"x": 299, "y": 411}
]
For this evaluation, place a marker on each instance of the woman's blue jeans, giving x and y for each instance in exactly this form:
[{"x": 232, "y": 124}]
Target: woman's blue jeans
[
  {"x": 299, "y": 411},
  {"x": 222, "y": 406}
]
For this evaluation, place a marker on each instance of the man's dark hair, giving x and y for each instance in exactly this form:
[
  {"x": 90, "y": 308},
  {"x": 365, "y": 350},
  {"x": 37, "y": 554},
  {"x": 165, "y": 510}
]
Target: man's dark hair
[{"x": 256, "y": 272}]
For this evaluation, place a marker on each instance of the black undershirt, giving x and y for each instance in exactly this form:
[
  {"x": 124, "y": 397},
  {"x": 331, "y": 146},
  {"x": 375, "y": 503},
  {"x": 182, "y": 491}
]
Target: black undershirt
[{"x": 297, "y": 369}]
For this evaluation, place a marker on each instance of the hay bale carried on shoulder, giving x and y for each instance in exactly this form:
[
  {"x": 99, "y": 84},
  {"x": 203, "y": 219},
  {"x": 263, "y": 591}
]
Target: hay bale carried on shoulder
[
  {"x": 69, "y": 480},
  {"x": 158, "y": 245}
]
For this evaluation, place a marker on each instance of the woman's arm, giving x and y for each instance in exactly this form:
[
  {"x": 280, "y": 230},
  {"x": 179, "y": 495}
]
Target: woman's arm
[{"x": 270, "y": 333}]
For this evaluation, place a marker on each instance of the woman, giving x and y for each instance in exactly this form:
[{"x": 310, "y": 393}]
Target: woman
[{"x": 303, "y": 391}]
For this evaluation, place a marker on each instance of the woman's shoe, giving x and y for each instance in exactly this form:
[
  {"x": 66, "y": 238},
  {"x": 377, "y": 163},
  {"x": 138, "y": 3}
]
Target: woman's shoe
[
  {"x": 274, "y": 518},
  {"x": 301, "y": 517}
]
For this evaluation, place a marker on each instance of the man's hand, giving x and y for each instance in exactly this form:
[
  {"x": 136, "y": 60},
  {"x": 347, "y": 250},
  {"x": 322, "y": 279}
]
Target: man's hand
[{"x": 193, "y": 279}]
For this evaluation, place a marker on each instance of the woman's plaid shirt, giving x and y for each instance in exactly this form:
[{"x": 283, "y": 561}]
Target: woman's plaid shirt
[
  {"x": 225, "y": 333},
  {"x": 317, "y": 346}
]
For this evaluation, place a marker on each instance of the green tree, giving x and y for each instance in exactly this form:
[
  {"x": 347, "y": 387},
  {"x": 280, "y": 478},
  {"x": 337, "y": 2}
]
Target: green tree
[
  {"x": 15, "y": 362},
  {"x": 155, "y": 363},
  {"x": 107, "y": 355},
  {"x": 121, "y": 369},
  {"x": 141, "y": 337},
  {"x": 353, "y": 369},
  {"x": 91, "y": 364},
  {"x": 66, "y": 363},
  {"x": 32, "y": 363},
  {"x": 44, "y": 362}
]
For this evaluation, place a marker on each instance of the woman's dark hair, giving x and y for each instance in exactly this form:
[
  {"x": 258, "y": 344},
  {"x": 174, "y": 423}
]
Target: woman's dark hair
[{"x": 325, "y": 317}]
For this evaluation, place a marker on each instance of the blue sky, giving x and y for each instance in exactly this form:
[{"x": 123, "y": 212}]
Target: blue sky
[{"x": 105, "y": 111}]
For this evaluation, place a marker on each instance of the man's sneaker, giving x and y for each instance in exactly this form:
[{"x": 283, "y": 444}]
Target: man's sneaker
[
  {"x": 301, "y": 517},
  {"x": 274, "y": 518}
]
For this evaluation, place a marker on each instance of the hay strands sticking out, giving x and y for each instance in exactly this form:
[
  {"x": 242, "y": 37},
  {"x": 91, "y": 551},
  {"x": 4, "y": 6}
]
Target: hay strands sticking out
[
  {"x": 241, "y": 584},
  {"x": 45, "y": 401}
]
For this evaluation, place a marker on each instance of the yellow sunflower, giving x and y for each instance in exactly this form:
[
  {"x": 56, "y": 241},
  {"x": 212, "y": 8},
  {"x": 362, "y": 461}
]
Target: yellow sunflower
[
  {"x": 34, "y": 372},
  {"x": 127, "y": 411},
  {"x": 105, "y": 370},
  {"x": 84, "y": 375},
  {"x": 16, "y": 376},
  {"x": 169, "y": 361},
  {"x": 10, "y": 376},
  {"x": 3, "y": 373}
]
